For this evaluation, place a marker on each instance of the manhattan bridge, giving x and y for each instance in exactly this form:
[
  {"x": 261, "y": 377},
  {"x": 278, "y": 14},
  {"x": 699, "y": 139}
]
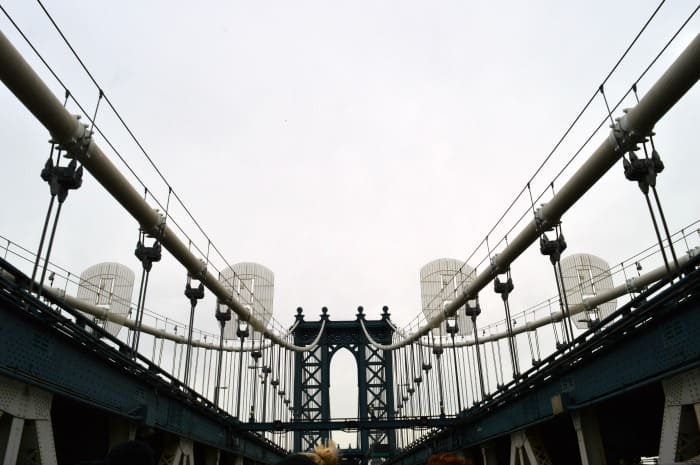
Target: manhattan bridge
[{"x": 604, "y": 371}]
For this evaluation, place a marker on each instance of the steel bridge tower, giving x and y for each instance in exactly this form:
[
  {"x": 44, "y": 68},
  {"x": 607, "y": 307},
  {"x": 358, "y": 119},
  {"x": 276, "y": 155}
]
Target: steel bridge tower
[{"x": 374, "y": 377}]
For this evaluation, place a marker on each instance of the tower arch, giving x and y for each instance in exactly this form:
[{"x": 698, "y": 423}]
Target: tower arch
[{"x": 374, "y": 376}]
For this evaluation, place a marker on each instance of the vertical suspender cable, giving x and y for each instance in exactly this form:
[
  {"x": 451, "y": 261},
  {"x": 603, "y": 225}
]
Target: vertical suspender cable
[
  {"x": 242, "y": 333},
  {"x": 193, "y": 295},
  {"x": 504, "y": 289},
  {"x": 454, "y": 359}
]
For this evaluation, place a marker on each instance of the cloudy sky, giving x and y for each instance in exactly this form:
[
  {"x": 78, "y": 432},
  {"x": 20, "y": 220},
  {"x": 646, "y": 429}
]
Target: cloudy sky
[{"x": 345, "y": 144}]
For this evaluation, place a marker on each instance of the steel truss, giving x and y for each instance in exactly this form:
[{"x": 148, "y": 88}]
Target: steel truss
[{"x": 374, "y": 379}]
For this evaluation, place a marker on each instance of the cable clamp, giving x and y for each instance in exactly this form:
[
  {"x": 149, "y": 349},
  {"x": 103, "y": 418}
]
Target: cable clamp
[
  {"x": 630, "y": 285},
  {"x": 542, "y": 223},
  {"x": 77, "y": 146},
  {"x": 623, "y": 139},
  {"x": 194, "y": 293},
  {"x": 472, "y": 307},
  {"x": 148, "y": 255},
  {"x": 157, "y": 231},
  {"x": 62, "y": 179},
  {"x": 503, "y": 288},
  {"x": 495, "y": 267},
  {"x": 222, "y": 315},
  {"x": 552, "y": 248},
  {"x": 242, "y": 330},
  {"x": 201, "y": 273}
]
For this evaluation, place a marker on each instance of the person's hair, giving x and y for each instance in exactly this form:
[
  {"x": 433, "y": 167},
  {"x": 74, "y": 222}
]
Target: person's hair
[
  {"x": 131, "y": 453},
  {"x": 324, "y": 454},
  {"x": 447, "y": 458}
]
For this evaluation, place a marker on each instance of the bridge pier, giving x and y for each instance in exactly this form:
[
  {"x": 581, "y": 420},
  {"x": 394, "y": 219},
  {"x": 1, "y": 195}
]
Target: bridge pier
[
  {"x": 527, "y": 448},
  {"x": 680, "y": 434},
  {"x": 590, "y": 441},
  {"x": 26, "y": 431}
]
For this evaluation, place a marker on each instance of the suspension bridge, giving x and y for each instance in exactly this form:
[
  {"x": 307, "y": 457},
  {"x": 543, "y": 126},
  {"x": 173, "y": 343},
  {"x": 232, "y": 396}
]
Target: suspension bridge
[{"x": 600, "y": 373}]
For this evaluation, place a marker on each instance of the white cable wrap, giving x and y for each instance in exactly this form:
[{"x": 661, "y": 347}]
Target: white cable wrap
[
  {"x": 67, "y": 131},
  {"x": 632, "y": 284},
  {"x": 637, "y": 123}
]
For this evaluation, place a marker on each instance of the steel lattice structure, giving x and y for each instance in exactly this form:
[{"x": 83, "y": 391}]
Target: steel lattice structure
[{"x": 374, "y": 377}]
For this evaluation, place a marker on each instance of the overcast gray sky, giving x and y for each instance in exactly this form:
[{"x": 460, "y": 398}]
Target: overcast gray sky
[{"x": 346, "y": 144}]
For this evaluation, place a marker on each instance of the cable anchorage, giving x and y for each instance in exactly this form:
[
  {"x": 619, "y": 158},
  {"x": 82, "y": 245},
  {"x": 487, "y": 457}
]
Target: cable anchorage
[{"x": 78, "y": 145}]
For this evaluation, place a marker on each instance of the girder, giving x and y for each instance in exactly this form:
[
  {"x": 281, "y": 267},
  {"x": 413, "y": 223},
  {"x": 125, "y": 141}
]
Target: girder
[
  {"x": 41, "y": 347},
  {"x": 353, "y": 424},
  {"x": 308, "y": 404},
  {"x": 652, "y": 342}
]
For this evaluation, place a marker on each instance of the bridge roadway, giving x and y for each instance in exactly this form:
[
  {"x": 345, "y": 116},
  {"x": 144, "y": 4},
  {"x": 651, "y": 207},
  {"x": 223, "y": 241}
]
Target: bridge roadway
[{"x": 656, "y": 339}]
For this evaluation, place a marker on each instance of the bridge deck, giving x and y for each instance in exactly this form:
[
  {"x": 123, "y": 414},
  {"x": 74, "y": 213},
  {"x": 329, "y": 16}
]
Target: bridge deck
[
  {"x": 74, "y": 358},
  {"x": 651, "y": 338},
  {"x": 656, "y": 338}
]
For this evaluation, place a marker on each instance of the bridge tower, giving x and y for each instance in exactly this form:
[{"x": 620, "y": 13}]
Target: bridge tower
[{"x": 374, "y": 376}]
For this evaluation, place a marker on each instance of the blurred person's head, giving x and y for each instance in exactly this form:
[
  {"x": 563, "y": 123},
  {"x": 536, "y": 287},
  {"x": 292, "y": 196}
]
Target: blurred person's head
[
  {"x": 448, "y": 458},
  {"x": 131, "y": 453},
  {"x": 323, "y": 454}
]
